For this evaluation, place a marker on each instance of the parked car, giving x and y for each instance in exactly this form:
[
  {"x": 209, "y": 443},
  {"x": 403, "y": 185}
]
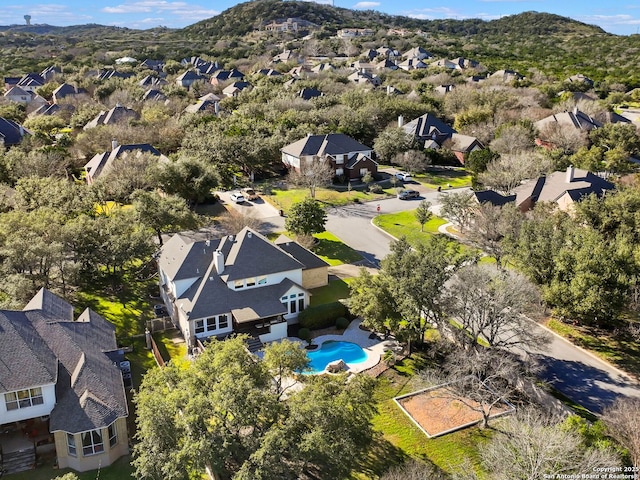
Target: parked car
[
  {"x": 404, "y": 176},
  {"x": 160, "y": 310},
  {"x": 407, "y": 194},
  {"x": 237, "y": 197},
  {"x": 250, "y": 194}
]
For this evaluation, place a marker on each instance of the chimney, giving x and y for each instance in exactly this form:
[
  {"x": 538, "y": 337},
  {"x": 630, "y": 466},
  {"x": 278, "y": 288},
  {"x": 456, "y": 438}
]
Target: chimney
[
  {"x": 114, "y": 144},
  {"x": 400, "y": 121},
  {"x": 216, "y": 107},
  {"x": 249, "y": 234},
  {"x": 218, "y": 258},
  {"x": 570, "y": 172}
]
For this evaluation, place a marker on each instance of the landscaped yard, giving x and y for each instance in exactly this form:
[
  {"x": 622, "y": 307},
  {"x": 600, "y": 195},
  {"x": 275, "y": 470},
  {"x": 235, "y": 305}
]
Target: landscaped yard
[
  {"x": 404, "y": 224},
  {"x": 443, "y": 178},
  {"x": 120, "y": 470},
  {"x": 333, "y": 251},
  {"x": 283, "y": 199},
  {"x": 335, "y": 290},
  {"x": 398, "y": 437}
]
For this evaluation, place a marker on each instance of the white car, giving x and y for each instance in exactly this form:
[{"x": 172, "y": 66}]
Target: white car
[
  {"x": 237, "y": 197},
  {"x": 404, "y": 176}
]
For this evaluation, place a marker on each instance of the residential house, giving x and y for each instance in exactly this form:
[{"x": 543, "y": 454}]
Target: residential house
[
  {"x": 154, "y": 95},
  {"x": 117, "y": 114},
  {"x": 31, "y": 82},
  {"x": 222, "y": 76},
  {"x": 11, "y": 133},
  {"x": 268, "y": 72},
  {"x": 155, "y": 65},
  {"x": 355, "y": 32},
  {"x": 564, "y": 189},
  {"x": 412, "y": 64},
  {"x": 188, "y": 78},
  {"x": 17, "y": 95},
  {"x": 286, "y": 56},
  {"x": 433, "y": 133},
  {"x": 362, "y": 66},
  {"x": 365, "y": 78},
  {"x": 386, "y": 64},
  {"x": 345, "y": 155},
  {"x": 60, "y": 386},
  {"x": 574, "y": 119},
  {"x": 50, "y": 72},
  {"x": 444, "y": 63},
  {"x": 465, "y": 63},
  {"x": 103, "y": 162},
  {"x": 417, "y": 53},
  {"x": 208, "y": 68},
  {"x": 234, "y": 89},
  {"x": 151, "y": 81},
  {"x": 46, "y": 110},
  {"x": 322, "y": 67},
  {"x": 203, "y": 106},
  {"x": 125, "y": 60},
  {"x": 308, "y": 93},
  {"x": 237, "y": 284},
  {"x": 579, "y": 78},
  {"x": 444, "y": 89},
  {"x": 506, "y": 75},
  {"x": 110, "y": 73},
  {"x": 67, "y": 91},
  {"x": 301, "y": 71},
  {"x": 387, "y": 52}
]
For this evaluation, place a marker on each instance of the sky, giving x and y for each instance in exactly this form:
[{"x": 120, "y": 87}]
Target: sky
[{"x": 621, "y": 17}]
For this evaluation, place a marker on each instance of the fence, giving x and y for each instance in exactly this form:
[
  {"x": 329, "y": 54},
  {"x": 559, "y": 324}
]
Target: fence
[
  {"x": 160, "y": 324},
  {"x": 156, "y": 353}
]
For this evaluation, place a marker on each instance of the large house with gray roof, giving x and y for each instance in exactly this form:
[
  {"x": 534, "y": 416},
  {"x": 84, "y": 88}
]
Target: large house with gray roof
[
  {"x": 237, "y": 284},
  {"x": 101, "y": 163},
  {"x": 345, "y": 155},
  {"x": 562, "y": 188},
  {"x": 62, "y": 387}
]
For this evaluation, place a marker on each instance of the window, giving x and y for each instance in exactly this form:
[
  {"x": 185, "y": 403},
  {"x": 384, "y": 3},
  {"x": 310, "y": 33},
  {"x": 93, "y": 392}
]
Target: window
[
  {"x": 199, "y": 326},
  {"x": 339, "y": 171},
  {"x": 292, "y": 306},
  {"x": 211, "y": 323},
  {"x": 300, "y": 304},
  {"x": 363, "y": 171},
  {"x": 23, "y": 398},
  {"x": 92, "y": 442},
  {"x": 262, "y": 280},
  {"x": 71, "y": 444},
  {"x": 113, "y": 435},
  {"x": 223, "y": 321},
  {"x": 340, "y": 159},
  {"x": 251, "y": 282},
  {"x": 238, "y": 284}
]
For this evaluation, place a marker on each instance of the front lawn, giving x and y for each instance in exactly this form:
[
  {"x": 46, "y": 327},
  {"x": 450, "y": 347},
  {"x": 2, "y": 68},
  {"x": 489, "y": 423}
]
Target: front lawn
[
  {"x": 443, "y": 178},
  {"x": 404, "y": 224},
  {"x": 333, "y": 251},
  {"x": 283, "y": 199}
]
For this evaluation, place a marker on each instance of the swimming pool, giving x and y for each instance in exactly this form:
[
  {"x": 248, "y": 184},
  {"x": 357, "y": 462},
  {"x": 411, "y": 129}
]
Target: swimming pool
[{"x": 333, "y": 350}]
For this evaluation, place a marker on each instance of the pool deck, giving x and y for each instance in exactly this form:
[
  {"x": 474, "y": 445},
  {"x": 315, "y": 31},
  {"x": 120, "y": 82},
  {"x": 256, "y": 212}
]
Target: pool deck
[{"x": 373, "y": 347}]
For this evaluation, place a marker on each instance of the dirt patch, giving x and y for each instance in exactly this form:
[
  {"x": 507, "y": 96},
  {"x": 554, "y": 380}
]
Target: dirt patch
[{"x": 437, "y": 413}]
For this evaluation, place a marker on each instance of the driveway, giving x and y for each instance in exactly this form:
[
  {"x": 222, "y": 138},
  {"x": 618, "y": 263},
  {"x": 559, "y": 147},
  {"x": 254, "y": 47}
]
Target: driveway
[{"x": 271, "y": 219}]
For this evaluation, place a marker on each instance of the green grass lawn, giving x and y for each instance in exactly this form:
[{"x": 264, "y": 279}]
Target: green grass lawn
[
  {"x": 283, "y": 199},
  {"x": 618, "y": 348},
  {"x": 120, "y": 470},
  {"x": 333, "y": 251},
  {"x": 404, "y": 224},
  {"x": 335, "y": 290},
  {"x": 444, "y": 178},
  {"x": 398, "y": 438},
  {"x": 172, "y": 346}
]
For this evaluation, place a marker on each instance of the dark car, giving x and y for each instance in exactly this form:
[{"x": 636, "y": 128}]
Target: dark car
[
  {"x": 407, "y": 194},
  {"x": 160, "y": 310}
]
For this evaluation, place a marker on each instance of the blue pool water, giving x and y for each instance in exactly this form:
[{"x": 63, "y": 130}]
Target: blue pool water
[{"x": 331, "y": 351}]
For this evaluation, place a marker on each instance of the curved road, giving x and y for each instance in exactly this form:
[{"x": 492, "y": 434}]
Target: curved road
[{"x": 576, "y": 373}]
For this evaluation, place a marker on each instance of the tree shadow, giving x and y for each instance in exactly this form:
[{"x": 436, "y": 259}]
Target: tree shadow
[
  {"x": 589, "y": 386},
  {"x": 381, "y": 456},
  {"x": 336, "y": 250}
]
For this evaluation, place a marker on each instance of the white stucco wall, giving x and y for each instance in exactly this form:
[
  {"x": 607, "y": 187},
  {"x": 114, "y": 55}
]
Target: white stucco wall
[{"x": 48, "y": 396}]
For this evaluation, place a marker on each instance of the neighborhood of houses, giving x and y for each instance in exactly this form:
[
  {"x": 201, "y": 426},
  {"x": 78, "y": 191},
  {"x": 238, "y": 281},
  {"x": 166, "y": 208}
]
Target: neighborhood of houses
[{"x": 63, "y": 376}]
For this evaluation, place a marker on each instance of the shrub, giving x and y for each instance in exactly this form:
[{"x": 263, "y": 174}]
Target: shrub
[
  {"x": 342, "y": 323},
  {"x": 305, "y": 334},
  {"x": 322, "y": 316},
  {"x": 375, "y": 188}
]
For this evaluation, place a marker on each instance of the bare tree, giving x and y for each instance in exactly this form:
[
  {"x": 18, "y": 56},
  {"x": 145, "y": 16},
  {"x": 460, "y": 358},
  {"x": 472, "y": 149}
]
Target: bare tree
[
  {"x": 458, "y": 208},
  {"x": 489, "y": 307},
  {"x": 233, "y": 221},
  {"x": 311, "y": 175},
  {"x": 513, "y": 139},
  {"x": 481, "y": 380},
  {"x": 491, "y": 224},
  {"x": 564, "y": 137},
  {"x": 622, "y": 420},
  {"x": 412, "y": 160},
  {"x": 531, "y": 447},
  {"x": 508, "y": 171}
]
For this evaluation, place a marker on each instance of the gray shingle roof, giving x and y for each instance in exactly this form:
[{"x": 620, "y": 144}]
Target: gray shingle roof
[
  {"x": 42, "y": 345},
  {"x": 304, "y": 256},
  {"x": 320, "y": 145},
  {"x": 427, "y": 126},
  {"x": 101, "y": 162},
  {"x": 247, "y": 254}
]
